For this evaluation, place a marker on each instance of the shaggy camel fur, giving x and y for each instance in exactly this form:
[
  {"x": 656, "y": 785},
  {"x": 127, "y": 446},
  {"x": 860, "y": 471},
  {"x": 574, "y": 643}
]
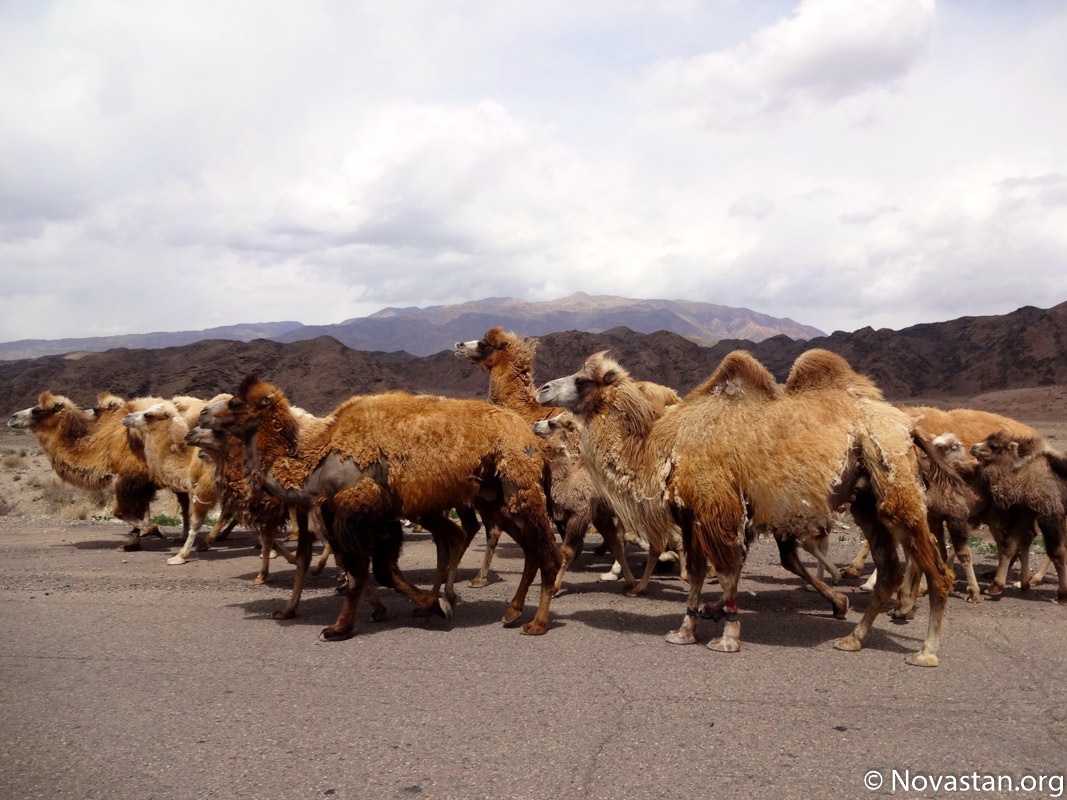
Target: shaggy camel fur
[
  {"x": 968, "y": 426},
  {"x": 1029, "y": 481},
  {"x": 741, "y": 455},
  {"x": 380, "y": 458},
  {"x": 176, "y": 465},
  {"x": 93, "y": 450},
  {"x": 509, "y": 361}
]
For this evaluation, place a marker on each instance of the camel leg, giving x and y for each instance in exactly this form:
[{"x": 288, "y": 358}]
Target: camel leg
[
  {"x": 220, "y": 530},
  {"x": 324, "y": 559},
  {"x": 908, "y": 592},
  {"x": 818, "y": 546},
  {"x": 887, "y": 564},
  {"x": 730, "y": 641},
  {"x": 961, "y": 548},
  {"x": 855, "y": 568},
  {"x": 304, "y": 540},
  {"x": 193, "y": 523},
  {"x": 920, "y": 546},
  {"x": 492, "y": 539},
  {"x": 1006, "y": 552},
  {"x": 646, "y": 576},
  {"x": 356, "y": 568},
  {"x": 266, "y": 544},
  {"x": 686, "y": 632},
  {"x": 614, "y": 541},
  {"x": 451, "y": 542},
  {"x": 1054, "y": 532},
  {"x": 787, "y": 552}
]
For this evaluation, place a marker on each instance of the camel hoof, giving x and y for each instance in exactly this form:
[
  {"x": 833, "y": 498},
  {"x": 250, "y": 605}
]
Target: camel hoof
[
  {"x": 851, "y": 572},
  {"x": 903, "y": 616},
  {"x": 681, "y": 637},
  {"x": 808, "y": 587},
  {"x": 334, "y": 634},
  {"x": 867, "y": 587},
  {"x": 478, "y": 582},
  {"x": 848, "y": 643},
  {"x": 633, "y": 591},
  {"x": 511, "y": 616},
  {"x": 922, "y": 659},
  {"x": 725, "y": 645},
  {"x": 178, "y": 560},
  {"x": 994, "y": 591},
  {"x": 840, "y": 610},
  {"x": 608, "y": 576},
  {"x": 284, "y": 613},
  {"x": 533, "y": 628},
  {"x": 131, "y": 546},
  {"x": 442, "y": 608},
  {"x": 259, "y": 580},
  {"x": 1061, "y": 600},
  {"x": 378, "y": 614},
  {"x": 974, "y": 597}
]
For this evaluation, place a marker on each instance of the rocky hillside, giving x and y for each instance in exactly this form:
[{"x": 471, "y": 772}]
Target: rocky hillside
[
  {"x": 957, "y": 359},
  {"x": 425, "y": 331}
]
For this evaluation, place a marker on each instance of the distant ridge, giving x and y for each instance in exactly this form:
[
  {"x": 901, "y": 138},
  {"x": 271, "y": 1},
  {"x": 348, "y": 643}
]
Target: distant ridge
[
  {"x": 963, "y": 358},
  {"x": 425, "y": 331}
]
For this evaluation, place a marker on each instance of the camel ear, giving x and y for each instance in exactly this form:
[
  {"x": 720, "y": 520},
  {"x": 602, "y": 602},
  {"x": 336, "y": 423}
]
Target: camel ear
[
  {"x": 265, "y": 400},
  {"x": 609, "y": 377}
]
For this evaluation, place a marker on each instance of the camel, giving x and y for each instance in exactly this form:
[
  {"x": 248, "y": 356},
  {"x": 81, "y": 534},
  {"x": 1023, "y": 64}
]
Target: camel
[
  {"x": 509, "y": 361},
  {"x": 740, "y": 456},
  {"x": 93, "y": 450},
  {"x": 1029, "y": 482},
  {"x": 377, "y": 459},
  {"x": 968, "y": 426},
  {"x": 176, "y": 465}
]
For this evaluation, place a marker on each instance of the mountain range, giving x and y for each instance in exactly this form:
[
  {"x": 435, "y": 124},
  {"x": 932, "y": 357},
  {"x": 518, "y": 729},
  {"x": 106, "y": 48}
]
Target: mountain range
[
  {"x": 425, "y": 331},
  {"x": 947, "y": 362}
]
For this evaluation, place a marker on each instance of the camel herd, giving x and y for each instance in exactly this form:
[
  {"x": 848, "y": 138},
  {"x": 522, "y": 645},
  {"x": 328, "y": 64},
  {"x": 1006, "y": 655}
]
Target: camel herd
[{"x": 692, "y": 478}]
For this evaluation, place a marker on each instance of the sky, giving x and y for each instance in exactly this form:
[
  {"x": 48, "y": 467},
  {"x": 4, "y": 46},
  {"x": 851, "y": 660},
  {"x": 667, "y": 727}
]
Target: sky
[{"x": 179, "y": 166}]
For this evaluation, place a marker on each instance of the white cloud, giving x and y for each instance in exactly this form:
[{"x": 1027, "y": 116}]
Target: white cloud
[{"x": 840, "y": 162}]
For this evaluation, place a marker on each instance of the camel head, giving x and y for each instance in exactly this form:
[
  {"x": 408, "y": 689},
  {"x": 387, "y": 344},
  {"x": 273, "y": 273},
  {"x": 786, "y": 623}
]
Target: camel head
[
  {"x": 563, "y": 423},
  {"x": 153, "y": 415},
  {"x": 496, "y": 347},
  {"x": 107, "y": 403},
  {"x": 241, "y": 414},
  {"x": 1000, "y": 448},
  {"x": 951, "y": 449},
  {"x": 49, "y": 411},
  {"x": 583, "y": 391}
]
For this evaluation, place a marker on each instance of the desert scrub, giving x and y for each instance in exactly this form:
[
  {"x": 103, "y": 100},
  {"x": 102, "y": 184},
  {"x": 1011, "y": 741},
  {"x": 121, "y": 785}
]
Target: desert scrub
[
  {"x": 13, "y": 461},
  {"x": 7, "y": 508}
]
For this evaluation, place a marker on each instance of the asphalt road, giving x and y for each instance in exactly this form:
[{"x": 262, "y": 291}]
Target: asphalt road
[{"x": 122, "y": 677}]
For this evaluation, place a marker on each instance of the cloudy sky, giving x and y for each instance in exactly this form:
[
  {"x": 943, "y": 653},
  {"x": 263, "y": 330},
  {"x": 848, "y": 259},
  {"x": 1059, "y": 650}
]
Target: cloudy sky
[{"x": 178, "y": 166}]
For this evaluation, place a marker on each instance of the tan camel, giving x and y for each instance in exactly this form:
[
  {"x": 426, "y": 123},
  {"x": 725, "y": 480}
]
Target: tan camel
[
  {"x": 741, "y": 455},
  {"x": 93, "y": 450}
]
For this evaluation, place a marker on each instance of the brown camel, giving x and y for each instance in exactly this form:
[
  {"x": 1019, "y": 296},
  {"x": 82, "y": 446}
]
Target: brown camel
[{"x": 380, "y": 458}]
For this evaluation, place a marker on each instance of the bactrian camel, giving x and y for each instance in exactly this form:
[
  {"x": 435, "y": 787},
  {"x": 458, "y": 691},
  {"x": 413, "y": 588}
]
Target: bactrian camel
[
  {"x": 508, "y": 359},
  {"x": 377, "y": 459},
  {"x": 742, "y": 455},
  {"x": 93, "y": 450}
]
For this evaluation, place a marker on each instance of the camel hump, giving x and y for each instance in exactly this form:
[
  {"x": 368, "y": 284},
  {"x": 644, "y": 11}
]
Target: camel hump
[
  {"x": 604, "y": 370},
  {"x": 821, "y": 369},
  {"x": 739, "y": 373}
]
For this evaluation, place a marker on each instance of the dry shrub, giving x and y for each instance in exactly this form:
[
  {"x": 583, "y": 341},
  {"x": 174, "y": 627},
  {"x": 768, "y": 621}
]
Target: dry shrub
[
  {"x": 12, "y": 460},
  {"x": 7, "y": 509}
]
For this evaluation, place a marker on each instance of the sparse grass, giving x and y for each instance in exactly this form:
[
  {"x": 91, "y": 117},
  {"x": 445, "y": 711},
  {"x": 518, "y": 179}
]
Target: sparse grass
[
  {"x": 7, "y": 509},
  {"x": 166, "y": 519}
]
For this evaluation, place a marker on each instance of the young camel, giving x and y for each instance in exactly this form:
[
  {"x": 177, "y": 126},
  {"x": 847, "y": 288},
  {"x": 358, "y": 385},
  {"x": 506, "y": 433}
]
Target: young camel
[
  {"x": 509, "y": 361},
  {"x": 741, "y": 455},
  {"x": 93, "y": 450},
  {"x": 380, "y": 458},
  {"x": 176, "y": 465},
  {"x": 968, "y": 426},
  {"x": 1029, "y": 482}
]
